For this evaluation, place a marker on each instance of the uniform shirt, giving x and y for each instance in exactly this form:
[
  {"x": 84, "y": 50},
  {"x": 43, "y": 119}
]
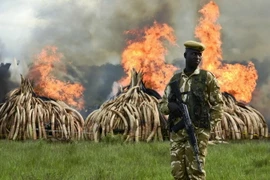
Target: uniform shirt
[{"x": 212, "y": 95}]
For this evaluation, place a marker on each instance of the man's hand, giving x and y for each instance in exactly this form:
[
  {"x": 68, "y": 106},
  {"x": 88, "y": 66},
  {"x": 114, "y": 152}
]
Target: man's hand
[{"x": 174, "y": 109}]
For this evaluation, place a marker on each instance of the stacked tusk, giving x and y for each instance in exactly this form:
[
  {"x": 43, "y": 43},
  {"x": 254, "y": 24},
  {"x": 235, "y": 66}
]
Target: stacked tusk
[
  {"x": 133, "y": 113},
  {"x": 240, "y": 121},
  {"x": 26, "y": 116}
]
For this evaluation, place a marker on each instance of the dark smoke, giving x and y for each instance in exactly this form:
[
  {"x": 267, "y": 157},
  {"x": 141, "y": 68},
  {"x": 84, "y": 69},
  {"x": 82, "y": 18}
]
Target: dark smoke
[
  {"x": 245, "y": 29},
  {"x": 93, "y": 33},
  {"x": 98, "y": 81},
  {"x": 6, "y": 84},
  {"x": 261, "y": 95},
  {"x": 2, "y": 46}
]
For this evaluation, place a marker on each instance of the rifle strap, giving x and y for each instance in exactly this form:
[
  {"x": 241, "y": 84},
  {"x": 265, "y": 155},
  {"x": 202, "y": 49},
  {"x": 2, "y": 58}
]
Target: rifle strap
[{"x": 177, "y": 77}]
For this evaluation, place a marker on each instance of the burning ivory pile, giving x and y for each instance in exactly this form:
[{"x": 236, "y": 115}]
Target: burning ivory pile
[
  {"x": 26, "y": 116},
  {"x": 133, "y": 112},
  {"x": 239, "y": 121}
]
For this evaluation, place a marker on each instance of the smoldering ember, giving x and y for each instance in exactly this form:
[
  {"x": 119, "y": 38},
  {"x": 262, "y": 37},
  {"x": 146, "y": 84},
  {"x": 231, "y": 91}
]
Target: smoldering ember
[{"x": 56, "y": 99}]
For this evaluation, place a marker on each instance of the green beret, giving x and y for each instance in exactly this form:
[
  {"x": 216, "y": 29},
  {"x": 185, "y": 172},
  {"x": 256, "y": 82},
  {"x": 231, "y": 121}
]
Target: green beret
[{"x": 194, "y": 45}]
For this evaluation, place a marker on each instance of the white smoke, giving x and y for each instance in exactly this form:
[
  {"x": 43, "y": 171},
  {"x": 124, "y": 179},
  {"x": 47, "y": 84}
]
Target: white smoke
[{"x": 116, "y": 87}]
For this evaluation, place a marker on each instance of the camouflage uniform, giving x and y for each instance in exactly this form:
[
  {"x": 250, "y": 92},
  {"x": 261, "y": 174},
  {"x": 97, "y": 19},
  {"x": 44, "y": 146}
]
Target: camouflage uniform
[{"x": 183, "y": 163}]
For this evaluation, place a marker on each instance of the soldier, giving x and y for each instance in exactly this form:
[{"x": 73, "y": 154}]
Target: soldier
[{"x": 201, "y": 93}]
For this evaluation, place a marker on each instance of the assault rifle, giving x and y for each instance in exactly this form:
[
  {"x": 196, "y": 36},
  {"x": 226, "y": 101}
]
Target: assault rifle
[{"x": 187, "y": 121}]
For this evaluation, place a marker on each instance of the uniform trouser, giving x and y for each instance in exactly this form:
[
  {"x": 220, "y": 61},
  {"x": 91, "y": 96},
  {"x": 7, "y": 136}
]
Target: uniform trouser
[{"x": 183, "y": 163}]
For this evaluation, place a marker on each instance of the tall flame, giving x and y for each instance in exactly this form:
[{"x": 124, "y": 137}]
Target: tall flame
[
  {"x": 47, "y": 85},
  {"x": 147, "y": 54},
  {"x": 237, "y": 79}
]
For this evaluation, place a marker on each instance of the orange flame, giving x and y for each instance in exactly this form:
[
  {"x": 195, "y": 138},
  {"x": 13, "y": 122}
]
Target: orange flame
[
  {"x": 47, "y": 85},
  {"x": 147, "y": 55},
  {"x": 237, "y": 79}
]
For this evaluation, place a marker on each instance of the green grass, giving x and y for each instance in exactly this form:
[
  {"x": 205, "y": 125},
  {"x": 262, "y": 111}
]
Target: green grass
[
  {"x": 239, "y": 160},
  {"x": 116, "y": 161}
]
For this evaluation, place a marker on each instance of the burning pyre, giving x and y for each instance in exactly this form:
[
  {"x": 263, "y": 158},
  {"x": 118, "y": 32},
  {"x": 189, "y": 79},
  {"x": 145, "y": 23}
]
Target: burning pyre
[
  {"x": 133, "y": 113},
  {"x": 24, "y": 115}
]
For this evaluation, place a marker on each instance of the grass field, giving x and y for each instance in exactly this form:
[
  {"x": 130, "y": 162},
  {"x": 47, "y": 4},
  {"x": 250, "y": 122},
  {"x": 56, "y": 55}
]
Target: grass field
[{"x": 238, "y": 160}]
